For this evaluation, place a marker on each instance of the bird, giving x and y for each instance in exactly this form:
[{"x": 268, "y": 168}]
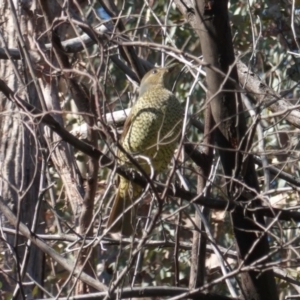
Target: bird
[{"x": 152, "y": 129}]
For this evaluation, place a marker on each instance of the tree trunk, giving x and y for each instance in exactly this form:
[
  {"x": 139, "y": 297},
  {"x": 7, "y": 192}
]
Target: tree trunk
[
  {"x": 210, "y": 21},
  {"x": 20, "y": 161}
]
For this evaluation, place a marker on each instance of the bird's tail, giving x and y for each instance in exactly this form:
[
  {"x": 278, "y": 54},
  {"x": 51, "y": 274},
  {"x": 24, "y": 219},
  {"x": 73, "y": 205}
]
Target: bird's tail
[{"x": 126, "y": 194}]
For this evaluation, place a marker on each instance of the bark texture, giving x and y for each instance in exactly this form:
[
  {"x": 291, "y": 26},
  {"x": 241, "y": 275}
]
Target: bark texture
[{"x": 20, "y": 171}]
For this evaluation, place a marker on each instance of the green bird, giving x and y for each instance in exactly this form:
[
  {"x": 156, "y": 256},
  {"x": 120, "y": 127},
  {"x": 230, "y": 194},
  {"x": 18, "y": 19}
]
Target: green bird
[{"x": 152, "y": 129}]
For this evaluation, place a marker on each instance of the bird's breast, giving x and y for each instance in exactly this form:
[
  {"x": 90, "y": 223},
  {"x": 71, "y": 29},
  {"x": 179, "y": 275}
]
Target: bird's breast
[{"x": 155, "y": 126}]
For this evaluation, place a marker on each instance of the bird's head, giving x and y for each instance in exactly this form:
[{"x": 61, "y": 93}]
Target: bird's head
[{"x": 156, "y": 77}]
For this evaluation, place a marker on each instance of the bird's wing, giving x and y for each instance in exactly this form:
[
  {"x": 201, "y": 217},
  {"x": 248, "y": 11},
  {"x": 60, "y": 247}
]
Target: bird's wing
[
  {"x": 142, "y": 131},
  {"x": 127, "y": 125}
]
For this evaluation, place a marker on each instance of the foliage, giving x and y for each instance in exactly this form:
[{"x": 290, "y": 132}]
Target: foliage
[{"x": 264, "y": 40}]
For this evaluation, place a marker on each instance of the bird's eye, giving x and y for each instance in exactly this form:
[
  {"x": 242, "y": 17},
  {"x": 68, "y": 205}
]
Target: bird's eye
[{"x": 154, "y": 71}]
